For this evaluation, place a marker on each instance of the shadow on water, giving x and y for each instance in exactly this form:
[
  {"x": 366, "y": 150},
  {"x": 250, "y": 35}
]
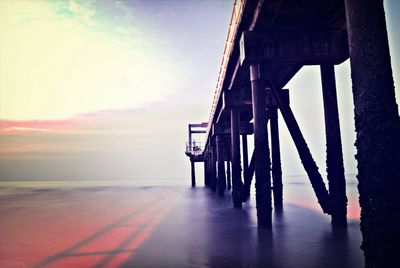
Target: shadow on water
[
  {"x": 205, "y": 231},
  {"x": 171, "y": 227},
  {"x": 137, "y": 225}
]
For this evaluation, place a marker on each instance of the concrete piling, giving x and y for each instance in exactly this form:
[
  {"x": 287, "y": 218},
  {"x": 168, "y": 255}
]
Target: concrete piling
[
  {"x": 236, "y": 169},
  {"x": 334, "y": 155},
  {"x": 378, "y": 130},
  {"x": 261, "y": 148}
]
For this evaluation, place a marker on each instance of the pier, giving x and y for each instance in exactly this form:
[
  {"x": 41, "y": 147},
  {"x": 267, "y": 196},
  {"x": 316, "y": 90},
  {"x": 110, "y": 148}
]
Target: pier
[{"x": 267, "y": 43}]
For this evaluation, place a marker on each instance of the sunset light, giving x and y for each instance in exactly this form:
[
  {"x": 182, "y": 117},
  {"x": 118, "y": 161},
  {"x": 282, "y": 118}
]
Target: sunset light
[{"x": 199, "y": 133}]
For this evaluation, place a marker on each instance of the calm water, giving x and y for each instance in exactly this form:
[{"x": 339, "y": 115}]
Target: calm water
[{"x": 165, "y": 223}]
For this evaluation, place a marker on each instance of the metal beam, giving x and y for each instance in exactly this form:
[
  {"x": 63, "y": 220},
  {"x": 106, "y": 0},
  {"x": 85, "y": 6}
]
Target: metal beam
[
  {"x": 233, "y": 99},
  {"x": 294, "y": 46},
  {"x": 244, "y": 129},
  {"x": 198, "y": 131},
  {"x": 201, "y": 125}
]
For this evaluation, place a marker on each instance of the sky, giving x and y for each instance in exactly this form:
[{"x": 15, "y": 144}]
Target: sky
[{"x": 105, "y": 89}]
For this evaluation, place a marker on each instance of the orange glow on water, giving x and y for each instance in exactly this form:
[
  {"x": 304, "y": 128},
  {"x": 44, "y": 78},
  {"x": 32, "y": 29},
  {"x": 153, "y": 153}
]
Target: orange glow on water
[{"x": 353, "y": 208}]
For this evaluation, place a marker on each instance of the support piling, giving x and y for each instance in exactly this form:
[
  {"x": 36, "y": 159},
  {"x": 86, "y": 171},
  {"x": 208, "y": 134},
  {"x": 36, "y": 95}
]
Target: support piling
[
  {"x": 334, "y": 155},
  {"x": 193, "y": 171},
  {"x": 276, "y": 159},
  {"x": 378, "y": 130},
  {"x": 245, "y": 195},
  {"x": 261, "y": 148},
  {"x": 213, "y": 169},
  {"x": 228, "y": 174},
  {"x": 304, "y": 152},
  {"x": 205, "y": 172},
  {"x": 236, "y": 170},
  {"x": 221, "y": 166}
]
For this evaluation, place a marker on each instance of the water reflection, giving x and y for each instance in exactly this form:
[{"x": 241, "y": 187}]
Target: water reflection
[{"x": 205, "y": 231}]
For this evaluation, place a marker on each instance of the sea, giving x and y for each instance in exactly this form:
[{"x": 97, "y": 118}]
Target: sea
[{"x": 167, "y": 223}]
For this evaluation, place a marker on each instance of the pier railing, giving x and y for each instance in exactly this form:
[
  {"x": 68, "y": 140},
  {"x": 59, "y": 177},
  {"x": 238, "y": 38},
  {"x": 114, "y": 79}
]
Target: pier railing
[
  {"x": 194, "y": 148},
  {"x": 229, "y": 42}
]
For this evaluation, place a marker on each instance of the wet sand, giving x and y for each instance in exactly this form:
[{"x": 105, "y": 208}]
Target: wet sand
[{"x": 169, "y": 226}]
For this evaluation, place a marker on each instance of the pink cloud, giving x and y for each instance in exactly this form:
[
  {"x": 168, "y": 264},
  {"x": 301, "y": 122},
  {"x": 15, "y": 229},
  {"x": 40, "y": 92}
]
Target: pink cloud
[
  {"x": 79, "y": 124},
  {"x": 15, "y": 126}
]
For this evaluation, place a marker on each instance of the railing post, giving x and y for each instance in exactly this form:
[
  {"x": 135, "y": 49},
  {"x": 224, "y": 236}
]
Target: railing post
[{"x": 190, "y": 137}]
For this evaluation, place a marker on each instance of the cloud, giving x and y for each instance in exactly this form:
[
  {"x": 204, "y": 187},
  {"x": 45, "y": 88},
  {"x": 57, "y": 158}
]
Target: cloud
[
  {"x": 62, "y": 58},
  {"x": 112, "y": 144},
  {"x": 82, "y": 11},
  {"x": 23, "y": 129}
]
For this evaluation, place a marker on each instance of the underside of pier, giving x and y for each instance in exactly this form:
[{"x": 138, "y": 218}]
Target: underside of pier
[{"x": 267, "y": 44}]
